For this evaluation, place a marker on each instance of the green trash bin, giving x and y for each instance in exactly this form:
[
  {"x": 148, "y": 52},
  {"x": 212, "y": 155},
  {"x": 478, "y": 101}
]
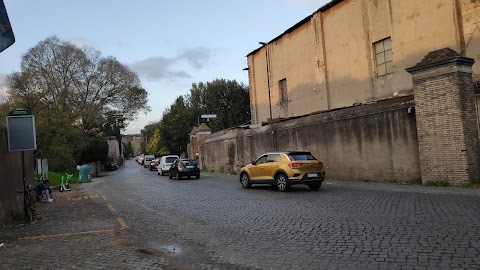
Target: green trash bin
[{"x": 84, "y": 174}]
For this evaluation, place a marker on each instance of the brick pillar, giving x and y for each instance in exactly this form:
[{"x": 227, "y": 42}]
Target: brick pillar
[{"x": 446, "y": 117}]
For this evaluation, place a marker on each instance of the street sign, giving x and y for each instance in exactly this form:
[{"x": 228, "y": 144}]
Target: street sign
[
  {"x": 21, "y": 130},
  {"x": 209, "y": 116}
]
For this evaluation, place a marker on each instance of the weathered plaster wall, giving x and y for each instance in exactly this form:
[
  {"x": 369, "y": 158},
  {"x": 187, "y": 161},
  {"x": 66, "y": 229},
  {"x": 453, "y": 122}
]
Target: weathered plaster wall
[
  {"x": 375, "y": 142},
  {"x": 471, "y": 30},
  {"x": 329, "y": 60}
]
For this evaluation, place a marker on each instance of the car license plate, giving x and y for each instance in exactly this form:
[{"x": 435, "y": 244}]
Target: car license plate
[
  {"x": 190, "y": 167},
  {"x": 312, "y": 175}
]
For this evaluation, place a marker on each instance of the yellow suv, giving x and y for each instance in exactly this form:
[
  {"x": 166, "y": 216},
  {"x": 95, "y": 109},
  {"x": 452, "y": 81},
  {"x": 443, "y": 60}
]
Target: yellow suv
[{"x": 283, "y": 169}]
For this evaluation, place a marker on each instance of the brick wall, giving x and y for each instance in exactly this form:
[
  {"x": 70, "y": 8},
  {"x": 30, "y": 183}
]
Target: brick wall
[{"x": 446, "y": 118}]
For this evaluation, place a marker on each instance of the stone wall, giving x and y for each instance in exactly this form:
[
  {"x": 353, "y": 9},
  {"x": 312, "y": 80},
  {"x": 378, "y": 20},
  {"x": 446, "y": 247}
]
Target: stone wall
[
  {"x": 368, "y": 142},
  {"x": 11, "y": 176}
]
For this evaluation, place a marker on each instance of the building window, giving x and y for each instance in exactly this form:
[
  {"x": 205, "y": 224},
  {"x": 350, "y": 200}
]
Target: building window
[
  {"x": 383, "y": 57},
  {"x": 282, "y": 91}
]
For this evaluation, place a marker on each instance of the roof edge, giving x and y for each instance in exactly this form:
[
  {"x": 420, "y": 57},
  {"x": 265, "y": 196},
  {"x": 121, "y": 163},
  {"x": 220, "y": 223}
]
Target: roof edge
[{"x": 323, "y": 8}]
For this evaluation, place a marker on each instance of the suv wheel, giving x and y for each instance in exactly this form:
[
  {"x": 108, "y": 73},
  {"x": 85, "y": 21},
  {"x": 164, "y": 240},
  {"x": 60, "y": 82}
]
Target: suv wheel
[
  {"x": 245, "y": 180},
  {"x": 282, "y": 182}
]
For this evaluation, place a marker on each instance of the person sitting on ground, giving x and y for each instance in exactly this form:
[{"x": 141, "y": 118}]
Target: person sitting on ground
[{"x": 43, "y": 190}]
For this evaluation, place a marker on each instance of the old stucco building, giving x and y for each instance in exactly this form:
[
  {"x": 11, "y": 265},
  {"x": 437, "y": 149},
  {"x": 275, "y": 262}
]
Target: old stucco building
[
  {"x": 355, "y": 51},
  {"x": 378, "y": 90}
]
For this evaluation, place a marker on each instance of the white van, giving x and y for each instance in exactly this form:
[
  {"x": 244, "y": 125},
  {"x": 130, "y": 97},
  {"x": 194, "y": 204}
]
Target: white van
[
  {"x": 147, "y": 159},
  {"x": 165, "y": 163}
]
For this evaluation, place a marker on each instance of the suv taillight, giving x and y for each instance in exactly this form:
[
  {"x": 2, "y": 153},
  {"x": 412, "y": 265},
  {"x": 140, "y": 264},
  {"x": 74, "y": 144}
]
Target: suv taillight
[{"x": 294, "y": 164}]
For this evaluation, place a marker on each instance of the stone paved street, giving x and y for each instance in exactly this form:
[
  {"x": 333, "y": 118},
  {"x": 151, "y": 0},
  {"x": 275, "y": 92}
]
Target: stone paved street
[{"x": 135, "y": 219}]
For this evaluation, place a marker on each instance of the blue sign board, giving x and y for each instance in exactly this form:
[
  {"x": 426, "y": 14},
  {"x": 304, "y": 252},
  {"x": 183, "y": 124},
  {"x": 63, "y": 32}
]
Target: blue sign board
[{"x": 6, "y": 33}]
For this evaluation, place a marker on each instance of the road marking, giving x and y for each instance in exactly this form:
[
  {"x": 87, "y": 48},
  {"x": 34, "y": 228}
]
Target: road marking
[
  {"x": 91, "y": 196},
  {"x": 104, "y": 198},
  {"x": 122, "y": 223},
  {"x": 111, "y": 208},
  {"x": 64, "y": 234}
]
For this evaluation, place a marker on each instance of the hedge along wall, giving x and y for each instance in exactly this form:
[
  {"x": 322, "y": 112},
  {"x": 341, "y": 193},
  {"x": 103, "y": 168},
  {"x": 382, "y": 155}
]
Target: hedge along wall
[
  {"x": 11, "y": 176},
  {"x": 376, "y": 142}
]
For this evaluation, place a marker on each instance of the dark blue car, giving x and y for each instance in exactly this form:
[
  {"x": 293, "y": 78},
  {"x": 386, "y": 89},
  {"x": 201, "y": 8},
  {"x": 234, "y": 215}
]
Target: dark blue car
[{"x": 184, "y": 167}]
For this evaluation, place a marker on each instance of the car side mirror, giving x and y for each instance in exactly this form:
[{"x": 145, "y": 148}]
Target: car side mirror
[{"x": 253, "y": 162}]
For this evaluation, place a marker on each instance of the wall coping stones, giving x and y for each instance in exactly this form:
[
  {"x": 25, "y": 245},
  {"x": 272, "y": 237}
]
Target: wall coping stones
[{"x": 442, "y": 57}]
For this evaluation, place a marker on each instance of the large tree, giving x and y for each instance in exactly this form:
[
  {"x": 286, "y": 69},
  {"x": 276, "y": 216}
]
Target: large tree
[
  {"x": 176, "y": 123},
  {"x": 88, "y": 92},
  {"x": 227, "y": 99}
]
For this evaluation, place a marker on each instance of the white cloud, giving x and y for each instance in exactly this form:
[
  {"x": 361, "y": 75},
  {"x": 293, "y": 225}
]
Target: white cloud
[
  {"x": 197, "y": 57},
  {"x": 159, "y": 67}
]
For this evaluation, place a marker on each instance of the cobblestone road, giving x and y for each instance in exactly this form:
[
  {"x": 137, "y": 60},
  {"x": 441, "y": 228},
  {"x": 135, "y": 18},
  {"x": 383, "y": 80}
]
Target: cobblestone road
[{"x": 135, "y": 219}]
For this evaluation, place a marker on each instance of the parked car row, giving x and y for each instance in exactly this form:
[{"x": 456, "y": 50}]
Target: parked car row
[
  {"x": 172, "y": 165},
  {"x": 280, "y": 169}
]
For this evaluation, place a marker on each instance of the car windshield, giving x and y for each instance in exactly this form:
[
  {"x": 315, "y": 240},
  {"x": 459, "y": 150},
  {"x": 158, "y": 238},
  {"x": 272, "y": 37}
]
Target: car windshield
[
  {"x": 301, "y": 156},
  {"x": 189, "y": 162},
  {"x": 170, "y": 159}
]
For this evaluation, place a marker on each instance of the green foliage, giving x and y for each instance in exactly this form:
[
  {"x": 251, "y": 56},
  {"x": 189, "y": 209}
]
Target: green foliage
[
  {"x": 154, "y": 147},
  {"x": 55, "y": 178},
  {"x": 96, "y": 150},
  {"x": 75, "y": 94},
  {"x": 227, "y": 99},
  {"x": 128, "y": 149},
  {"x": 147, "y": 133},
  {"x": 438, "y": 183},
  {"x": 471, "y": 185},
  {"x": 59, "y": 139},
  {"x": 175, "y": 126}
]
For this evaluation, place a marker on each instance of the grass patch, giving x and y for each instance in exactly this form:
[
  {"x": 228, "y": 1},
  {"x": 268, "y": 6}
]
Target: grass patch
[
  {"x": 55, "y": 178},
  {"x": 438, "y": 183},
  {"x": 471, "y": 185}
]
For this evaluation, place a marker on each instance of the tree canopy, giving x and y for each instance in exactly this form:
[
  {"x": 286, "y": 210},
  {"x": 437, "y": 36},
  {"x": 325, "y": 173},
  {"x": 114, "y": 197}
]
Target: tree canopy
[
  {"x": 75, "y": 92},
  {"x": 228, "y": 99}
]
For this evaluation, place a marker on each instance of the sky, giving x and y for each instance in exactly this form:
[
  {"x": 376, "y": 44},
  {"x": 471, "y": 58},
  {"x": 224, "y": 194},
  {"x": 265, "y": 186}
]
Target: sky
[{"x": 169, "y": 44}]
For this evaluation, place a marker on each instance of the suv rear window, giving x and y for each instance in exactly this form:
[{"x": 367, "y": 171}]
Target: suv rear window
[
  {"x": 301, "y": 156},
  {"x": 189, "y": 162},
  {"x": 170, "y": 159}
]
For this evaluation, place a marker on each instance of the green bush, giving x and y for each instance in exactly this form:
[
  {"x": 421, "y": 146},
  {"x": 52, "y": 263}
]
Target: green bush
[
  {"x": 96, "y": 150},
  {"x": 438, "y": 183}
]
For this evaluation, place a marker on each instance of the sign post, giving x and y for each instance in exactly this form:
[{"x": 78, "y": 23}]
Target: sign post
[{"x": 21, "y": 137}]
